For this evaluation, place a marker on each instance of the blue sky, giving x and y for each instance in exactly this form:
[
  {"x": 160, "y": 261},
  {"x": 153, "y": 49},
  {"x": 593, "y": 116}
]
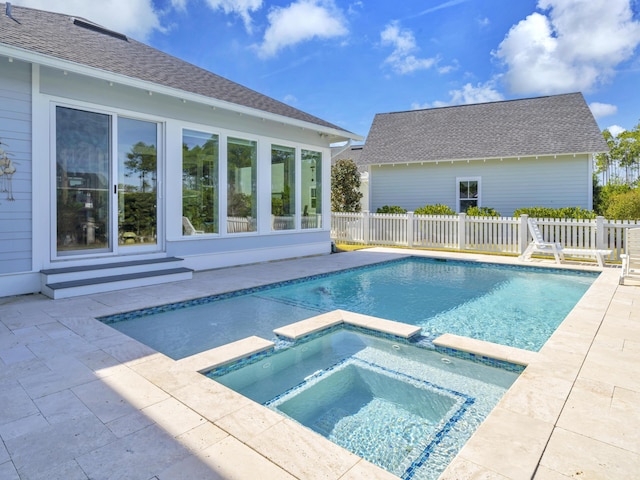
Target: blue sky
[{"x": 346, "y": 60}]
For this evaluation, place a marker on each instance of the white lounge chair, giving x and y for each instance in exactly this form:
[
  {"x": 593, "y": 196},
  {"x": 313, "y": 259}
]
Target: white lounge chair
[
  {"x": 631, "y": 257},
  {"x": 539, "y": 245},
  {"x": 188, "y": 228}
]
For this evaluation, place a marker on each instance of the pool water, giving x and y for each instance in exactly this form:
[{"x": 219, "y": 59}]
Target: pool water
[
  {"x": 516, "y": 306},
  {"x": 404, "y": 408}
]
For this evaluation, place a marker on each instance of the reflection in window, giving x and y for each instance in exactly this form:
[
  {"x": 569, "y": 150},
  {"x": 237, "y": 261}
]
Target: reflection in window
[
  {"x": 468, "y": 194},
  {"x": 137, "y": 182},
  {"x": 241, "y": 185},
  {"x": 311, "y": 189},
  {"x": 283, "y": 194},
  {"x": 199, "y": 183},
  {"x": 83, "y": 152}
]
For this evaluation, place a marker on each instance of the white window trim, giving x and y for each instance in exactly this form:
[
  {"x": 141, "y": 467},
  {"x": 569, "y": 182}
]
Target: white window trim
[{"x": 468, "y": 179}]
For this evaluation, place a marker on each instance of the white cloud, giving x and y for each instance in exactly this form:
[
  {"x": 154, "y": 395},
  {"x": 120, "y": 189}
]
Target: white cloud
[
  {"x": 602, "y": 109},
  {"x": 402, "y": 60},
  {"x": 616, "y": 130},
  {"x": 134, "y": 18},
  {"x": 355, "y": 8},
  {"x": 243, "y": 8},
  {"x": 299, "y": 22},
  {"x": 481, "y": 93},
  {"x": 572, "y": 46},
  {"x": 179, "y": 4},
  {"x": 290, "y": 99}
]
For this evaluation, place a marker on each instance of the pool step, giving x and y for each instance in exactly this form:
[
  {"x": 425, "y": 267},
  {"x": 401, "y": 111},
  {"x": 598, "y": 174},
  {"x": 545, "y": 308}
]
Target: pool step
[{"x": 88, "y": 279}]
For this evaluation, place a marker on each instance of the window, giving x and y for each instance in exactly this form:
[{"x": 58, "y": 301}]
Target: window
[
  {"x": 468, "y": 193},
  {"x": 241, "y": 185},
  {"x": 283, "y": 187},
  {"x": 199, "y": 183},
  {"x": 311, "y": 189},
  {"x": 83, "y": 180}
]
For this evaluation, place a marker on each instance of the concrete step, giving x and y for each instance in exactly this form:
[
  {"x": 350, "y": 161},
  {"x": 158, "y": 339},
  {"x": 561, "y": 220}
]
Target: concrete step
[{"x": 75, "y": 281}]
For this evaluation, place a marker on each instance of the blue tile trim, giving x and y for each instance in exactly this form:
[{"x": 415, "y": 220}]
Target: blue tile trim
[
  {"x": 248, "y": 291},
  {"x": 491, "y": 362},
  {"x": 417, "y": 341},
  {"x": 440, "y": 435}
]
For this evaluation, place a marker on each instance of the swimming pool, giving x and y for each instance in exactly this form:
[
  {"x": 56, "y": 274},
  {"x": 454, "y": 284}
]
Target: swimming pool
[
  {"x": 510, "y": 305},
  {"x": 404, "y": 408}
]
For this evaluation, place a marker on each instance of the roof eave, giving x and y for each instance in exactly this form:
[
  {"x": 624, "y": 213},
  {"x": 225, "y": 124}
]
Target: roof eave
[
  {"x": 476, "y": 159},
  {"x": 335, "y": 135}
]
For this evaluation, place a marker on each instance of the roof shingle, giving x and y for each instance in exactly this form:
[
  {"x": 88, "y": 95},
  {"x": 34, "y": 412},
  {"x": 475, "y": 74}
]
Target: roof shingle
[
  {"x": 57, "y": 35},
  {"x": 551, "y": 125}
]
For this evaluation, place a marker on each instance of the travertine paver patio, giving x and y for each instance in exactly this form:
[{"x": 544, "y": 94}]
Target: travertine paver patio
[{"x": 80, "y": 400}]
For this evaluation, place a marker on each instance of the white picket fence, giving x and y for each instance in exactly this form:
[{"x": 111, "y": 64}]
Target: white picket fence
[{"x": 482, "y": 234}]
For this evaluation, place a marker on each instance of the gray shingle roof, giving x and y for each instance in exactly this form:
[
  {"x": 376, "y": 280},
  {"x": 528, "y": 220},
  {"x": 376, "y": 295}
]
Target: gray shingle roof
[
  {"x": 558, "y": 124},
  {"x": 351, "y": 153},
  {"x": 57, "y": 35}
]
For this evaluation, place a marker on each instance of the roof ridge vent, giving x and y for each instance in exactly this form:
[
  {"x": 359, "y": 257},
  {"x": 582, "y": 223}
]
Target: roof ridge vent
[{"x": 97, "y": 28}]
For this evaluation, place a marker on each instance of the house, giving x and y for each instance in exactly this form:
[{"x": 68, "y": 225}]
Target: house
[
  {"x": 122, "y": 166},
  {"x": 503, "y": 155}
]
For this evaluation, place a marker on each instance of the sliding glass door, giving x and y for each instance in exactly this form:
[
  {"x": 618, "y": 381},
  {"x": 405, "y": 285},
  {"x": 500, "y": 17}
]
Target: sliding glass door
[
  {"x": 137, "y": 183},
  {"x": 83, "y": 181},
  {"x": 105, "y": 199}
]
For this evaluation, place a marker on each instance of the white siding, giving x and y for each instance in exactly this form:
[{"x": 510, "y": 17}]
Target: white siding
[
  {"x": 15, "y": 132},
  {"x": 506, "y": 185}
]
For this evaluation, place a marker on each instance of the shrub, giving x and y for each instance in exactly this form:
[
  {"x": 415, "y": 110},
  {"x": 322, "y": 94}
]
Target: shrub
[
  {"x": 482, "y": 212},
  {"x": 437, "y": 209},
  {"x": 391, "y": 209},
  {"x": 606, "y": 193},
  {"x": 546, "y": 212},
  {"x": 624, "y": 206}
]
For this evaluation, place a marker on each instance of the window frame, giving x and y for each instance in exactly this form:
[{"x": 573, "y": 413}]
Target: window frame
[{"x": 478, "y": 197}]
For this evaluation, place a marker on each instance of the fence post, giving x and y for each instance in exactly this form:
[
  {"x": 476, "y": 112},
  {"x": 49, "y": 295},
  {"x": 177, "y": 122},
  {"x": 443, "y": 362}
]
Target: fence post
[
  {"x": 600, "y": 233},
  {"x": 524, "y": 233},
  {"x": 365, "y": 226},
  {"x": 410, "y": 229},
  {"x": 462, "y": 231}
]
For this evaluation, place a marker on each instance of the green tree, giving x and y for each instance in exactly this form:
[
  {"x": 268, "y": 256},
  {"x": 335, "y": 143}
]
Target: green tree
[
  {"x": 142, "y": 160},
  {"x": 606, "y": 193},
  {"x": 622, "y": 162},
  {"x": 624, "y": 206},
  {"x": 345, "y": 187}
]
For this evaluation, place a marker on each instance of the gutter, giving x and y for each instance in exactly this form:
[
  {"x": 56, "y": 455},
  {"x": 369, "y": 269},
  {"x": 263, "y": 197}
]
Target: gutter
[{"x": 349, "y": 142}]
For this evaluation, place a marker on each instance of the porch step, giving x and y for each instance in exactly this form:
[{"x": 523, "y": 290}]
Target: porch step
[{"x": 84, "y": 280}]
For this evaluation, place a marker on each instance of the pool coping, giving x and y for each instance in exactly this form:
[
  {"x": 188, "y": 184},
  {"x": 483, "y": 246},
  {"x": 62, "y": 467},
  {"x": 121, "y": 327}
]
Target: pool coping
[
  {"x": 539, "y": 424},
  {"x": 571, "y": 410}
]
